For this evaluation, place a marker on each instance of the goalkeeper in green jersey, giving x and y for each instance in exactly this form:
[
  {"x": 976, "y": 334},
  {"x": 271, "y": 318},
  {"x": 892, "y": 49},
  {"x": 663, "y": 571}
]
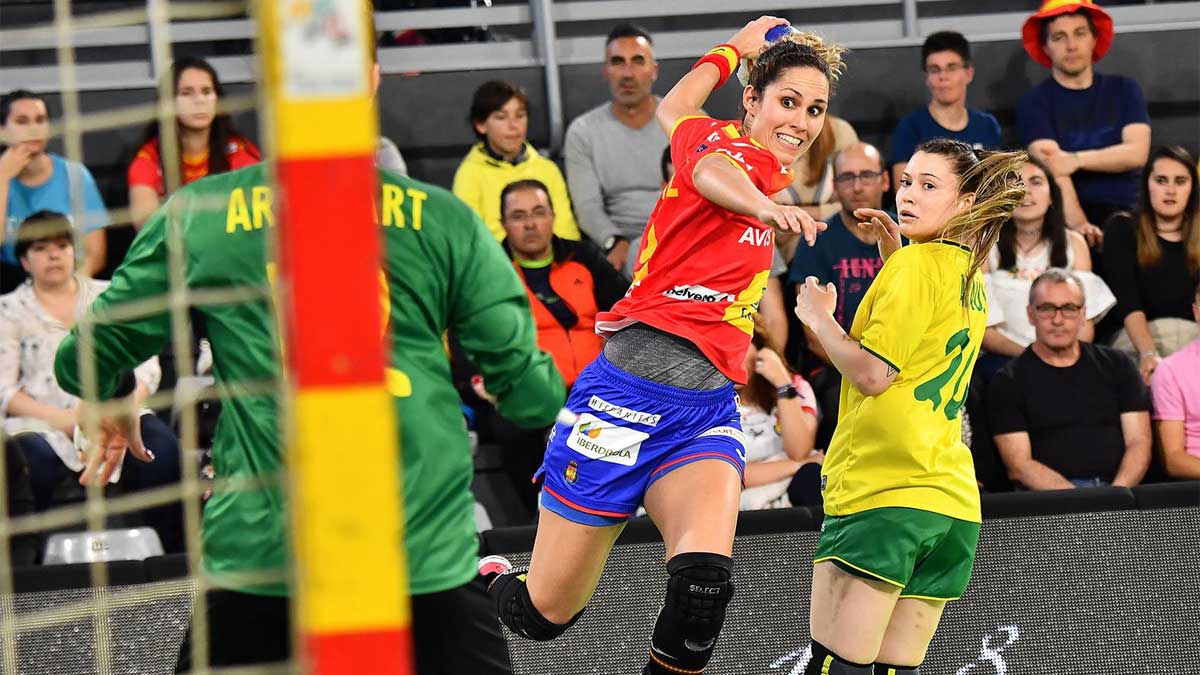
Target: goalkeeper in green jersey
[{"x": 444, "y": 272}]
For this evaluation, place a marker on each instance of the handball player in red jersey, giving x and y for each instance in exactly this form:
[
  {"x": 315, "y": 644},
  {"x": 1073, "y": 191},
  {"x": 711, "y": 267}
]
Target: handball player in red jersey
[{"x": 653, "y": 420}]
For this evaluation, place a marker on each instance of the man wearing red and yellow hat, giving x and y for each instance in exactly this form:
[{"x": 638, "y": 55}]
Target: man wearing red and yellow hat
[{"x": 1091, "y": 129}]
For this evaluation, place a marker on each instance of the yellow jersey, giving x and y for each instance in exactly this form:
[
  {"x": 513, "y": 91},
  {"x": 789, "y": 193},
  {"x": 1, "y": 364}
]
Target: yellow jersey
[
  {"x": 904, "y": 447},
  {"x": 481, "y": 178}
]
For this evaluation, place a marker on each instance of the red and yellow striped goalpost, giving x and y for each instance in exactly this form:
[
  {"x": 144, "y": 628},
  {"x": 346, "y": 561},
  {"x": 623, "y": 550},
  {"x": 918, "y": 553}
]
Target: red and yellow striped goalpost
[{"x": 345, "y": 497}]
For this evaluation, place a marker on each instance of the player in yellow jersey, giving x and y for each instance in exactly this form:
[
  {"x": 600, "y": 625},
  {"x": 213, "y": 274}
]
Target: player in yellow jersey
[{"x": 901, "y": 503}]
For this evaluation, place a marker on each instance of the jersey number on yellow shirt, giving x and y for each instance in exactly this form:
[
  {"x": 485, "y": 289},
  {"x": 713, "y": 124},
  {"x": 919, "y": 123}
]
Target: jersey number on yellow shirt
[{"x": 931, "y": 389}]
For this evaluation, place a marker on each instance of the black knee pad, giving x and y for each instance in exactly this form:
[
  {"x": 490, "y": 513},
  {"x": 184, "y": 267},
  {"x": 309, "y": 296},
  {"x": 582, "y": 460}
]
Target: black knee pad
[
  {"x": 889, "y": 669},
  {"x": 698, "y": 591},
  {"x": 825, "y": 662},
  {"x": 516, "y": 610}
]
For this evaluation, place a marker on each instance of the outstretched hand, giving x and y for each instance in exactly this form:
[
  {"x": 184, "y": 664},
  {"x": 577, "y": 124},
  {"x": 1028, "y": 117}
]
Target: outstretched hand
[
  {"x": 117, "y": 434},
  {"x": 792, "y": 219},
  {"x": 883, "y": 227}
]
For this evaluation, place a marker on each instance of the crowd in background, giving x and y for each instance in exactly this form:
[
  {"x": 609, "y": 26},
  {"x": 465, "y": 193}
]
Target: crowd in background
[{"x": 1088, "y": 372}]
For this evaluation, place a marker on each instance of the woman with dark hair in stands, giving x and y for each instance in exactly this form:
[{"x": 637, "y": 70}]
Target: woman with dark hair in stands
[
  {"x": 779, "y": 420},
  {"x": 1152, "y": 260},
  {"x": 653, "y": 420},
  {"x": 207, "y": 141},
  {"x": 35, "y": 411},
  {"x": 34, "y": 179},
  {"x": 1036, "y": 239}
]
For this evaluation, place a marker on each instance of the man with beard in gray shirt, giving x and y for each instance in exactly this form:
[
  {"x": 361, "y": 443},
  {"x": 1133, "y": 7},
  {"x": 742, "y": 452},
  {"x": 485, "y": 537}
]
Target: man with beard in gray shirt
[{"x": 612, "y": 151}]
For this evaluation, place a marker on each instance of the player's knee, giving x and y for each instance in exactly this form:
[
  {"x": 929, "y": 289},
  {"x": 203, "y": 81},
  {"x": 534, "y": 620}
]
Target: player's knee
[
  {"x": 825, "y": 662},
  {"x": 516, "y": 609},
  {"x": 890, "y": 669},
  {"x": 698, "y": 591}
]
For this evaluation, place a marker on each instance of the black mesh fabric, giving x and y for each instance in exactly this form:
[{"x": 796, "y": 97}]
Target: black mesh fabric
[
  {"x": 144, "y": 630},
  {"x": 1109, "y": 593}
]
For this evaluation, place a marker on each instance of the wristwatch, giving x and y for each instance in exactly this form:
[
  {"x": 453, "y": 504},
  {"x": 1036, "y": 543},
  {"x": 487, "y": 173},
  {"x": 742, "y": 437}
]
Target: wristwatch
[
  {"x": 611, "y": 242},
  {"x": 786, "y": 391}
]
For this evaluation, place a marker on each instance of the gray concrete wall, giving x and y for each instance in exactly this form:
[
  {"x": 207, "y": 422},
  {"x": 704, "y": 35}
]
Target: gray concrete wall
[{"x": 426, "y": 115}]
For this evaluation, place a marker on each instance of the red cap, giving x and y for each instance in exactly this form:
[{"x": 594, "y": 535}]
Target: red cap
[{"x": 1031, "y": 32}]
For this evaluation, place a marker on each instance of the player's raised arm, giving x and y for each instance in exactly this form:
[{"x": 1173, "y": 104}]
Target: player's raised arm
[
  {"x": 688, "y": 95},
  {"x": 725, "y": 185}
]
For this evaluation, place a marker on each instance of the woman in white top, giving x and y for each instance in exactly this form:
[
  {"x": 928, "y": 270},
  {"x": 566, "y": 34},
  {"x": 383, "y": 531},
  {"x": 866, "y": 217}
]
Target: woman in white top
[
  {"x": 1035, "y": 239},
  {"x": 38, "y": 415},
  {"x": 779, "y": 421}
]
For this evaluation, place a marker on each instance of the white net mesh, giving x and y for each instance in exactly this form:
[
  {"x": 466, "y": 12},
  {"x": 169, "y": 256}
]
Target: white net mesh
[{"x": 124, "y": 617}]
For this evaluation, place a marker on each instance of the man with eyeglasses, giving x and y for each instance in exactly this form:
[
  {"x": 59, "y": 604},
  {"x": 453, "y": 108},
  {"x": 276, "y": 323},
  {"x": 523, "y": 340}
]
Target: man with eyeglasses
[
  {"x": 567, "y": 283},
  {"x": 846, "y": 255},
  {"x": 946, "y": 60},
  {"x": 1068, "y": 413}
]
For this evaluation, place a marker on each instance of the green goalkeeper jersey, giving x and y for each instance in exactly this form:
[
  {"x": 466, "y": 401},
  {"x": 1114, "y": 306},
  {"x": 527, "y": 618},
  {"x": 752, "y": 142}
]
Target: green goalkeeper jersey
[{"x": 444, "y": 271}]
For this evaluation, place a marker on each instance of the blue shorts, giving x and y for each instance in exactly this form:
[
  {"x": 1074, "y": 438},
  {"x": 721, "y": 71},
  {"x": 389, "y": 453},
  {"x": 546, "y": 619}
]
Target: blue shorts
[{"x": 629, "y": 433}]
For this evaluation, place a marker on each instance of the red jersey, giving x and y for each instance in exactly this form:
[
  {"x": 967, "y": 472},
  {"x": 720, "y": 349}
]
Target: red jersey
[
  {"x": 702, "y": 269},
  {"x": 146, "y": 167}
]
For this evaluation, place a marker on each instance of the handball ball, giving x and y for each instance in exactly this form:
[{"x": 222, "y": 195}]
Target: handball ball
[
  {"x": 774, "y": 35},
  {"x": 778, "y": 32}
]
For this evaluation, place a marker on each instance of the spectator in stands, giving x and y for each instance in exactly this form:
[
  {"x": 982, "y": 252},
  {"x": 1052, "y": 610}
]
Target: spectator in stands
[
  {"x": 1035, "y": 240},
  {"x": 1152, "y": 260},
  {"x": 771, "y": 317},
  {"x": 779, "y": 421},
  {"x": 500, "y": 116},
  {"x": 567, "y": 283},
  {"x": 207, "y": 141},
  {"x": 1092, "y": 130},
  {"x": 847, "y": 255},
  {"x": 946, "y": 60},
  {"x": 39, "y": 415},
  {"x": 611, "y": 151},
  {"x": 1176, "y": 390},
  {"x": 32, "y": 180},
  {"x": 1067, "y": 413}
]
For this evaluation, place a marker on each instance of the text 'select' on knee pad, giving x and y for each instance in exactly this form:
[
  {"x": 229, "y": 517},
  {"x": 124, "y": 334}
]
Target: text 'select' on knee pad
[{"x": 698, "y": 591}]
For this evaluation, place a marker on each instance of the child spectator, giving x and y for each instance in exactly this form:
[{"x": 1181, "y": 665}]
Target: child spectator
[{"x": 500, "y": 119}]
